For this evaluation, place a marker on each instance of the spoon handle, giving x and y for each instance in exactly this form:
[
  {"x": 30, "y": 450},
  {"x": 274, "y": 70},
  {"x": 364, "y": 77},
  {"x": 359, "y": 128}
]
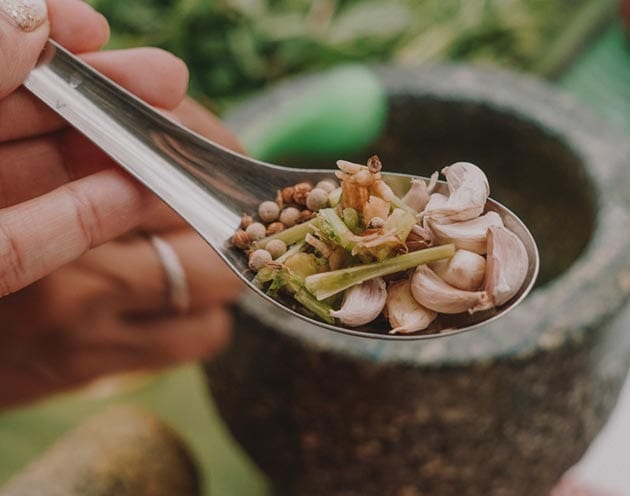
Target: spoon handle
[{"x": 140, "y": 139}]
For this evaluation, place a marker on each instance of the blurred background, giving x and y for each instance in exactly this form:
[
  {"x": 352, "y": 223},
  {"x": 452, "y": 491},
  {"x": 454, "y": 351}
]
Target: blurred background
[{"x": 237, "y": 48}]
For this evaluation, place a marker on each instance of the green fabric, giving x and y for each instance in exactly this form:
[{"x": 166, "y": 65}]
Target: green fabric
[{"x": 340, "y": 114}]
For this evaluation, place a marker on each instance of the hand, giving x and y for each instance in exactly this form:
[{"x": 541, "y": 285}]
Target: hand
[{"x": 105, "y": 310}]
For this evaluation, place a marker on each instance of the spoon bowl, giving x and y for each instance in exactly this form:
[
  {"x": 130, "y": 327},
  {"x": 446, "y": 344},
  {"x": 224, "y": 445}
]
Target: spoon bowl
[{"x": 208, "y": 185}]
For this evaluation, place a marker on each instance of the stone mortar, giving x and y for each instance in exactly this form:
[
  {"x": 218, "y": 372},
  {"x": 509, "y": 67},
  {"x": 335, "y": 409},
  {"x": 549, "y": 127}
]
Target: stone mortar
[{"x": 503, "y": 410}]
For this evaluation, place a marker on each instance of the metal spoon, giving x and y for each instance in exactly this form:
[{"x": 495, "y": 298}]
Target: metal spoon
[{"x": 208, "y": 185}]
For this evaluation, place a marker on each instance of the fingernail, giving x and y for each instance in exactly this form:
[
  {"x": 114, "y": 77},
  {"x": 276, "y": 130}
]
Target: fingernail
[{"x": 27, "y": 14}]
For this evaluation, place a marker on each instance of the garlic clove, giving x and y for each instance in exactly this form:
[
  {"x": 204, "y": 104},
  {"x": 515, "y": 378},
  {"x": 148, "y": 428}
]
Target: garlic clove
[
  {"x": 418, "y": 195},
  {"x": 467, "y": 235},
  {"x": 469, "y": 189},
  {"x": 436, "y": 202},
  {"x": 362, "y": 303},
  {"x": 506, "y": 266},
  {"x": 465, "y": 270},
  {"x": 405, "y": 314},
  {"x": 432, "y": 292}
]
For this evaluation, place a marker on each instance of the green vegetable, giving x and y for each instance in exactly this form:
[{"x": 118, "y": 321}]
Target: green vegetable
[
  {"x": 335, "y": 230},
  {"x": 289, "y": 236},
  {"x": 285, "y": 279},
  {"x": 352, "y": 220},
  {"x": 399, "y": 225},
  {"x": 330, "y": 283},
  {"x": 266, "y": 274},
  {"x": 302, "y": 295},
  {"x": 398, "y": 203},
  {"x": 303, "y": 264},
  {"x": 334, "y": 198}
]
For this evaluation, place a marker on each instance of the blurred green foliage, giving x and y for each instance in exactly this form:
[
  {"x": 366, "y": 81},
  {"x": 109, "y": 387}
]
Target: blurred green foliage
[{"x": 236, "y": 46}]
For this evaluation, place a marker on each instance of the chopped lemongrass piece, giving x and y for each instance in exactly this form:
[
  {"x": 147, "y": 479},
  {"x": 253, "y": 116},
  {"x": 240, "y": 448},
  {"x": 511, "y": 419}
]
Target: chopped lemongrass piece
[
  {"x": 334, "y": 197},
  {"x": 303, "y": 264},
  {"x": 296, "y": 248},
  {"x": 294, "y": 284},
  {"x": 398, "y": 203},
  {"x": 351, "y": 220},
  {"x": 335, "y": 229},
  {"x": 268, "y": 272},
  {"x": 290, "y": 235},
  {"x": 330, "y": 283}
]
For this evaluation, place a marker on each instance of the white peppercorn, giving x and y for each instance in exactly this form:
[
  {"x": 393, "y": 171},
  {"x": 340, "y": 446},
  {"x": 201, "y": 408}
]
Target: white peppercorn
[
  {"x": 317, "y": 199},
  {"x": 268, "y": 211},
  {"x": 290, "y": 216},
  {"x": 276, "y": 248},
  {"x": 256, "y": 231},
  {"x": 328, "y": 185},
  {"x": 258, "y": 259}
]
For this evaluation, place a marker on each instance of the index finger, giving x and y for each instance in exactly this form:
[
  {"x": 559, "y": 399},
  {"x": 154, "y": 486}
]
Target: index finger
[
  {"x": 41, "y": 235},
  {"x": 77, "y": 26}
]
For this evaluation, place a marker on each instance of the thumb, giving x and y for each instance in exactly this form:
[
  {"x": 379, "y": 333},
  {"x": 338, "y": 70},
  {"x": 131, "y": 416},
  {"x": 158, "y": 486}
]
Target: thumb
[{"x": 23, "y": 32}]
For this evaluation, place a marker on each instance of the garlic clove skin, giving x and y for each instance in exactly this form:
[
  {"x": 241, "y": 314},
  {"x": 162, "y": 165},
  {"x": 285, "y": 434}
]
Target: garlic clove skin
[
  {"x": 507, "y": 265},
  {"x": 469, "y": 189},
  {"x": 405, "y": 314},
  {"x": 419, "y": 238},
  {"x": 432, "y": 292},
  {"x": 468, "y": 235},
  {"x": 362, "y": 303},
  {"x": 418, "y": 195},
  {"x": 465, "y": 270}
]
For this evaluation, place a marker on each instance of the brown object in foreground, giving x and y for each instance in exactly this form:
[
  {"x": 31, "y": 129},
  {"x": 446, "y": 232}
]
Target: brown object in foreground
[{"x": 124, "y": 451}]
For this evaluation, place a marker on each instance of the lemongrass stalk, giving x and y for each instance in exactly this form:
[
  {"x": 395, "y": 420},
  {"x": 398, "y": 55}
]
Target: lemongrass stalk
[
  {"x": 267, "y": 273},
  {"x": 289, "y": 236},
  {"x": 351, "y": 219},
  {"x": 330, "y": 283},
  {"x": 334, "y": 197},
  {"x": 398, "y": 203},
  {"x": 335, "y": 229},
  {"x": 295, "y": 285}
]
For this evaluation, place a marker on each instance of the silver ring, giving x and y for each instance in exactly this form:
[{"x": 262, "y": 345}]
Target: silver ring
[{"x": 178, "y": 292}]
